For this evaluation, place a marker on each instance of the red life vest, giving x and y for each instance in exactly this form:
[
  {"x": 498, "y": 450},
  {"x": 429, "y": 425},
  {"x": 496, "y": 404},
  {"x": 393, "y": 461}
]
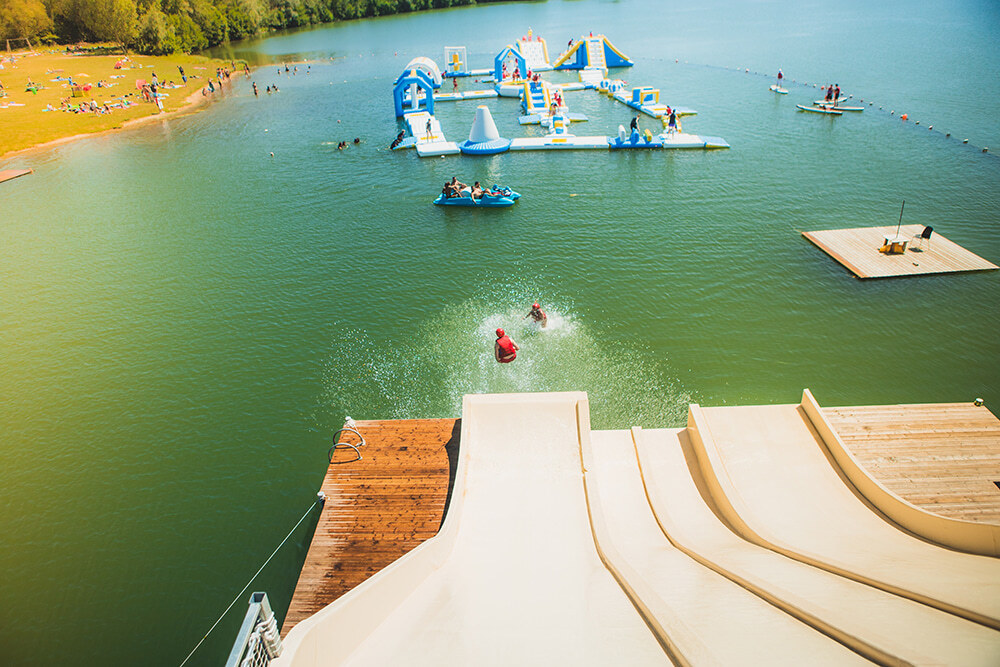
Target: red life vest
[{"x": 507, "y": 351}]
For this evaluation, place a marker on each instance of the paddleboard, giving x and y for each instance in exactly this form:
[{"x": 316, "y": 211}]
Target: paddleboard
[
  {"x": 830, "y": 101},
  {"x": 830, "y": 112},
  {"x": 840, "y": 108},
  {"x": 780, "y": 91}
]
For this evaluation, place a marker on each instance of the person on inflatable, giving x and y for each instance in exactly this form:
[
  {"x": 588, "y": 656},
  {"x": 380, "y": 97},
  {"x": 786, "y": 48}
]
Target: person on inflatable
[
  {"x": 537, "y": 314},
  {"x": 504, "y": 349}
]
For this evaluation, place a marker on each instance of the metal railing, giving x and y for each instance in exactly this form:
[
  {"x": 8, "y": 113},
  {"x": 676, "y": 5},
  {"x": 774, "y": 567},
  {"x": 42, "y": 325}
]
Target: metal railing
[
  {"x": 258, "y": 641},
  {"x": 349, "y": 427}
]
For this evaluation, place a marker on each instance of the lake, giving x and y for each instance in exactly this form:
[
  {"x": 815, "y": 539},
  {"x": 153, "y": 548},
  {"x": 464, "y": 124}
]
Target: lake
[{"x": 185, "y": 320}]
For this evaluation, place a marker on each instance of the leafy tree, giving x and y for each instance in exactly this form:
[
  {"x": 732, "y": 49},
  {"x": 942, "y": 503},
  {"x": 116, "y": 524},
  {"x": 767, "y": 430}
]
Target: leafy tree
[
  {"x": 23, "y": 18},
  {"x": 155, "y": 34},
  {"x": 110, "y": 20},
  {"x": 211, "y": 21}
]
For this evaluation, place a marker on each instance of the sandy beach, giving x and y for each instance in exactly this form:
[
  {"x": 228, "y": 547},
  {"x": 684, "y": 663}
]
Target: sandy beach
[{"x": 52, "y": 98}]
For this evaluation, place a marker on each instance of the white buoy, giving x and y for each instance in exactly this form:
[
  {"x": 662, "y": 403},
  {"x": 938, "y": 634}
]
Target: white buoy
[{"x": 483, "y": 127}]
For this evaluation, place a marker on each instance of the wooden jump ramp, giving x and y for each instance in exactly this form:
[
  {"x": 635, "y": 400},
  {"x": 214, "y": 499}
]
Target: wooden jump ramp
[{"x": 734, "y": 538}]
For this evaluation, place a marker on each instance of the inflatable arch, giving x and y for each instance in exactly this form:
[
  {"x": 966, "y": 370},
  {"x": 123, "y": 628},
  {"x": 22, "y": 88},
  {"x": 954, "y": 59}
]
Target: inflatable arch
[
  {"x": 428, "y": 67},
  {"x": 413, "y": 81},
  {"x": 504, "y": 53}
]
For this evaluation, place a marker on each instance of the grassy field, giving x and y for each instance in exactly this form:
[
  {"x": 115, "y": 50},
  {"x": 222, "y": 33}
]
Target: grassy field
[{"x": 25, "y": 120}]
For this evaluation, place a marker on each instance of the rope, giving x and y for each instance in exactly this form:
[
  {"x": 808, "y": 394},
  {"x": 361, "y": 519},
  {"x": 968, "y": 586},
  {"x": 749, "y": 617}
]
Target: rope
[
  {"x": 805, "y": 84},
  {"x": 319, "y": 499}
]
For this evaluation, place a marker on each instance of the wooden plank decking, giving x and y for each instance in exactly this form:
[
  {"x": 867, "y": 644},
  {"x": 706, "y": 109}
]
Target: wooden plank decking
[
  {"x": 941, "y": 457},
  {"x": 857, "y": 249},
  {"x": 378, "y": 508},
  {"x": 8, "y": 174}
]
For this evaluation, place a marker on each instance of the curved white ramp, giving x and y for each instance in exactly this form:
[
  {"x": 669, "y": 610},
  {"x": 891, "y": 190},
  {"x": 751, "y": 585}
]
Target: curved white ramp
[
  {"x": 769, "y": 476},
  {"x": 705, "y": 618},
  {"x": 513, "y": 578},
  {"x": 883, "y": 627}
]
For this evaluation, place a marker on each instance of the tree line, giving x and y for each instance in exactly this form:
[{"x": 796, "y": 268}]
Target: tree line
[{"x": 160, "y": 27}]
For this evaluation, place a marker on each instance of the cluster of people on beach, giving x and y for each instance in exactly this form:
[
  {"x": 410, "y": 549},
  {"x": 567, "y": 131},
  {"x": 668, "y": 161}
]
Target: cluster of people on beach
[
  {"x": 504, "y": 348},
  {"x": 90, "y": 106},
  {"x": 456, "y": 188}
]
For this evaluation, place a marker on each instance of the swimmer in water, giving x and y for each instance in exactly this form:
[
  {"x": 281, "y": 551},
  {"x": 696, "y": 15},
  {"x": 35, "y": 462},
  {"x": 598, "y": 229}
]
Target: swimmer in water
[
  {"x": 504, "y": 349},
  {"x": 537, "y": 314}
]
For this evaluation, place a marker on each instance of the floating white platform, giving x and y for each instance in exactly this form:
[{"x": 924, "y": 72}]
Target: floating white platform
[
  {"x": 654, "y": 110},
  {"x": 682, "y": 140},
  {"x": 557, "y": 142},
  {"x": 468, "y": 95},
  {"x": 429, "y": 145}
]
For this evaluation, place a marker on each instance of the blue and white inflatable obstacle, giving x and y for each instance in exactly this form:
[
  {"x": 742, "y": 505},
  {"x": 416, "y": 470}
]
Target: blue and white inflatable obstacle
[
  {"x": 484, "y": 138},
  {"x": 634, "y": 140}
]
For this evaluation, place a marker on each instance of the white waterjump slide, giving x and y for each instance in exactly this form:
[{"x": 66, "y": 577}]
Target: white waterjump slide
[
  {"x": 551, "y": 554},
  {"x": 513, "y": 577}
]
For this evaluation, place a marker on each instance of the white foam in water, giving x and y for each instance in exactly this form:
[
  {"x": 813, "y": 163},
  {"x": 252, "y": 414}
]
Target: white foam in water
[{"x": 451, "y": 355}]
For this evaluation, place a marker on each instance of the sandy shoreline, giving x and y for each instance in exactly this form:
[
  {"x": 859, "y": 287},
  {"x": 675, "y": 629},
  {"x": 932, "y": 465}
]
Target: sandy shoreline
[{"x": 191, "y": 104}]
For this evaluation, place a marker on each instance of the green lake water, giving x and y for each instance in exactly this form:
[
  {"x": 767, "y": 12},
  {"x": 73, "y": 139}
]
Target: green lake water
[{"x": 185, "y": 320}]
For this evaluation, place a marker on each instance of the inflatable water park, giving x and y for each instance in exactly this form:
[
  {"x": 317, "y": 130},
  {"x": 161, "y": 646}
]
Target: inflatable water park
[{"x": 517, "y": 74}]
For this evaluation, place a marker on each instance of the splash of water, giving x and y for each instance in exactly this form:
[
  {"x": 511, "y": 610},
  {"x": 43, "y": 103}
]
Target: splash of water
[{"x": 451, "y": 354}]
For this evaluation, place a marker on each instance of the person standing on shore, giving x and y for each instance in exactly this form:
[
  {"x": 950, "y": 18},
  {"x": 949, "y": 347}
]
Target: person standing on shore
[
  {"x": 504, "y": 349},
  {"x": 183, "y": 75}
]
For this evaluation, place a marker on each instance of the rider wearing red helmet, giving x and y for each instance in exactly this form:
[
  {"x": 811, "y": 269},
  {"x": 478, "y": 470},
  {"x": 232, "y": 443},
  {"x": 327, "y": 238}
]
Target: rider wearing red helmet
[
  {"x": 504, "y": 349},
  {"x": 537, "y": 314}
]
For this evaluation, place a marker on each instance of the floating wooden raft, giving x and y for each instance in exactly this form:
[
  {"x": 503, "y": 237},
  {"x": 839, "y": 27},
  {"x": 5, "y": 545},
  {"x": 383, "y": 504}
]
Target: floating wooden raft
[
  {"x": 857, "y": 249},
  {"x": 10, "y": 174}
]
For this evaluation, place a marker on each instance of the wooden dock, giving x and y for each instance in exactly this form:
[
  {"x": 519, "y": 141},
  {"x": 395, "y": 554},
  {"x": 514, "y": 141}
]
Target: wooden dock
[
  {"x": 10, "y": 174},
  {"x": 857, "y": 249},
  {"x": 378, "y": 508},
  {"x": 943, "y": 458}
]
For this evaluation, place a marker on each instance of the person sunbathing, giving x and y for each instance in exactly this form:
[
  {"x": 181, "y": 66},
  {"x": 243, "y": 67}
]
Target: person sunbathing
[{"x": 477, "y": 191}]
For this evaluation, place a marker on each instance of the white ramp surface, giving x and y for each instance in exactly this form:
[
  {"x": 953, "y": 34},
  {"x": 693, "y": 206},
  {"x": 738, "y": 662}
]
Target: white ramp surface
[
  {"x": 886, "y": 628},
  {"x": 770, "y": 468},
  {"x": 707, "y": 619},
  {"x": 513, "y": 578}
]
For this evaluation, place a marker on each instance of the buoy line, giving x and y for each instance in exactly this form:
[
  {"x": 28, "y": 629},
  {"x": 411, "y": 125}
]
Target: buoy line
[{"x": 892, "y": 112}]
